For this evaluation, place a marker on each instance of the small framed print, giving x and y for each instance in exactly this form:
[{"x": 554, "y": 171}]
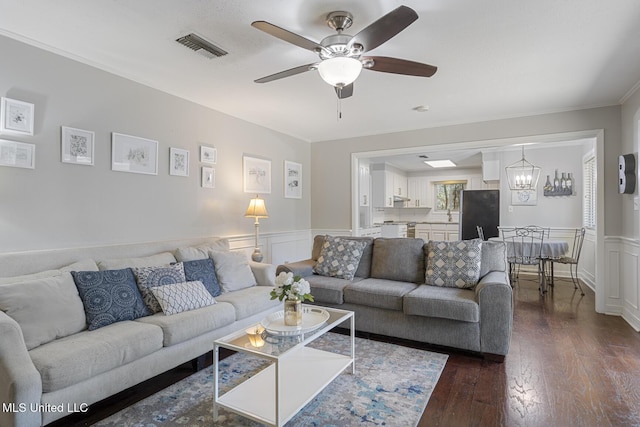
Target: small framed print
[
  {"x": 257, "y": 175},
  {"x": 77, "y": 146},
  {"x": 17, "y": 117},
  {"x": 524, "y": 198},
  {"x": 208, "y": 177},
  {"x": 178, "y": 162},
  {"x": 208, "y": 155},
  {"x": 134, "y": 154},
  {"x": 292, "y": 180},
  {"x": 17, "y": 154}
]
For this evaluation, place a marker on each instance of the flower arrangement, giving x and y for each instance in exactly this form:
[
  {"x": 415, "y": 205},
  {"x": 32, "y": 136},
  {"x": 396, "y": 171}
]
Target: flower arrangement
[{"x": 291, "y": 287}]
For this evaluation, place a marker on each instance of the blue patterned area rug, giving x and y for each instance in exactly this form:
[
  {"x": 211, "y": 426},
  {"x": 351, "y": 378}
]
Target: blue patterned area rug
[{"x": 391, "y": 387}]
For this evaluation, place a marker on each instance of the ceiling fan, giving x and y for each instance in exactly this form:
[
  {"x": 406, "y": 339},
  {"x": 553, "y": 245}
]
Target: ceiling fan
[{"x": 340, "y": 54}]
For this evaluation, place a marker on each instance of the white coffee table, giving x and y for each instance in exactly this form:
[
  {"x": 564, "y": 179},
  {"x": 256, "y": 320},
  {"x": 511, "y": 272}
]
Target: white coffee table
[{"x": 295, "y": 376}]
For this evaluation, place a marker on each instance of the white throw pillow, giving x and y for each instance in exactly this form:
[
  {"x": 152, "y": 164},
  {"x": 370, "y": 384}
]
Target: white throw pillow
[
  {"x": 46, "y": 309},
  {"x": 233, "y": 270},
  {"x": 180, "y": 297}
]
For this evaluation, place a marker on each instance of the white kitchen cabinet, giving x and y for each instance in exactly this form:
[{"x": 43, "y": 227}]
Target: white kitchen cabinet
[
  {"x": 491, "y": 170},
  {"x": 399, "y": 184},
  {"x": 394, "y": 230},
  {"x": 364, "y": 185},
  {"x": 370, "y": 232},
  {"x": 418, "y": 192},
  {"x": 437, "y": 231},
  {"x": 382, "y": 183}
]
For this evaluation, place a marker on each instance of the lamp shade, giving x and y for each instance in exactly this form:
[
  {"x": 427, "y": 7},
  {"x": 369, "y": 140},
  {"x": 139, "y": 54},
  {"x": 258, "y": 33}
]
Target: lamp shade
[
  {"x": 340, "y": 71},
  {"x": 257, "y": 209},
  {"x": 522, "y": 175}
]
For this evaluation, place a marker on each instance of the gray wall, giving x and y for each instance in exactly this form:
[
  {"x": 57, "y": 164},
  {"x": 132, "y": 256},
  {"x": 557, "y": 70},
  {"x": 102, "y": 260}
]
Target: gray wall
[
  {"x": 63, "y": 205},
  {"x": 331, "y": 186},
  {"x": 631, "y": 144}
]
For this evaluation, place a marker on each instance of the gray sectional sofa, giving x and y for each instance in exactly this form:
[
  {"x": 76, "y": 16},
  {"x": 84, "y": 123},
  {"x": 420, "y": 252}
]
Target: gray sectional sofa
[
  {"x": 389, "y": 294},
  {"x": 51, "y": 364}
]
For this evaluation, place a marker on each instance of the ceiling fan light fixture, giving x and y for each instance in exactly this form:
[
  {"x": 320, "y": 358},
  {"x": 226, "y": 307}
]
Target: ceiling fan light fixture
[{"x": 340, "y": 71}]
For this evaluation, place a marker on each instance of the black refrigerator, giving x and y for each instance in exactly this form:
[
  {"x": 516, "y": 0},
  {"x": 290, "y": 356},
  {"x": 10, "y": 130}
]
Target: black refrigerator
[{"x": 479, "y": 208}]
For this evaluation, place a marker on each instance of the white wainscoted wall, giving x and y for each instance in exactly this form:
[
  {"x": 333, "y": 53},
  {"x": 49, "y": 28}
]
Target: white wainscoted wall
[{"x": 622, "y": 274}]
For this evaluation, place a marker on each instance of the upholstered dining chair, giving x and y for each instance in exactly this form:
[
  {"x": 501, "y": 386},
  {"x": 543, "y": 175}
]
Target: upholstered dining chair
[
  {"x": 524, "y": 247},
  {"x": 573, "y": 257}
]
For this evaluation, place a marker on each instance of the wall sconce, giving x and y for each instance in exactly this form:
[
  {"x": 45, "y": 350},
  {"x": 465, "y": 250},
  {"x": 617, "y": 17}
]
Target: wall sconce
[{"x": 256, "y": 209}]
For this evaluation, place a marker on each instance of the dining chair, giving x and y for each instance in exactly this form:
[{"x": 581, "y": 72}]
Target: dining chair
[
  {"x": 480, "y": 232},
  {"x": 573, "y": 257},
  {"x": 524, "y": 247}
]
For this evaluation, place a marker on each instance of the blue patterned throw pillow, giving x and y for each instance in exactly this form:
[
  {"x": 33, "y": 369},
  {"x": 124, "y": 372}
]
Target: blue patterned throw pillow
[
  {"x": 179, "y": 297},
  {"x": 454, "y": 264},
  {"x": 204, "y": 271},
  {"x": 149, "y": 277},
  {"x": 109, "y": 296}
]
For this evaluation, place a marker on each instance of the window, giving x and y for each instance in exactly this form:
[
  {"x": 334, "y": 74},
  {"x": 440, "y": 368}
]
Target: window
[
  {"x": 448, "y": 195},
  {"x": 589, "y": 203}
]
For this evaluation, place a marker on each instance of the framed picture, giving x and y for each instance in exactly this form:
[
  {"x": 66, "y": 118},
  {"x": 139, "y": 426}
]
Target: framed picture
[
  {"x": 17, "y": 117},
  {"x": 208, "y": 155},
  {"x": 524, "y": 198},
  {"x": 178, "y": 162},
  {"x": 17, "y": 154},
  {"x": 292, "y": 180},
  {"x": 134, "y": 154},
  {"x": 77, "y": 146},
  {"x": 257, "y": 175},
  {"x": 208, "y": 177}
]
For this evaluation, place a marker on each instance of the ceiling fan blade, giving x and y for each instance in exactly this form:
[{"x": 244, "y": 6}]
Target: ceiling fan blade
[
  {"x": 344, "y": 92},
  {"x": 399, "y": 66},
  {"x": 384, "y": 28},
  {"x": 287, "y": 36},
  {"x": 287, "y": 73}
]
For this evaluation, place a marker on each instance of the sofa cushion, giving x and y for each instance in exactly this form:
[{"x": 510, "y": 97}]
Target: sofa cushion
[
  {"x": 193, "y": 323},
  {"x": 178, "y": 297},
  {"x": 339, "y": 257},
  {"x": 454, "y": 263},
  {"x": 364, "y": 267},
  {"x": 109, "y": 296},
  {"x": 447, "y": 303},
  {"x": 82, "y": 265},
  {"x": 399, "y": 259},
  {"x": 193, "y": 253},
  {"x": 75, "y": 358},
  {"x": 163, "y": 258},
  {"x": 328, "y": 290},
  {"x": 250, "y": 301},
  {"x": 148, "y": 277},
  {"x": 46, "y": 308},
  {"x": 204, "y": 271},
  {"x": 379, "y": 293},
  {"x": 494, "y": 257},
  {"x": 233, "y": 270}
]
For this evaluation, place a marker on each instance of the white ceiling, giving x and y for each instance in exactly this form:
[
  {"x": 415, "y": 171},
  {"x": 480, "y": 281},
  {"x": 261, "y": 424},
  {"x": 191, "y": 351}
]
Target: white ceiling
[{"x": 495, "y": 58}]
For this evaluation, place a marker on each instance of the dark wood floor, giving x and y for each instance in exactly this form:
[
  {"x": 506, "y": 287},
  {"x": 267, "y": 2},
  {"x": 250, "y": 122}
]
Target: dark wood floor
[{"x": 567, "y": 366}]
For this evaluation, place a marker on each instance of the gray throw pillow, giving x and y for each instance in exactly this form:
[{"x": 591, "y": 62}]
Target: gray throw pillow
[
  {"x": 339, "y": 257},
  {"x": 233, "y": 270},
  {"x": 454, "y": 264}
]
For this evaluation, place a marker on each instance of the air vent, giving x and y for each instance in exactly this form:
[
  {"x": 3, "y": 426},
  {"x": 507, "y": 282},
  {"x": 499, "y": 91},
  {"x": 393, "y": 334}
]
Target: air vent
[{"x": 202, "y": 46}]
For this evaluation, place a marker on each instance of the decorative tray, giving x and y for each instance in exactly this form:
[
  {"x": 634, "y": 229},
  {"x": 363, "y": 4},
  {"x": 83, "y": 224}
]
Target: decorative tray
[{"x": 312, "y": 319}]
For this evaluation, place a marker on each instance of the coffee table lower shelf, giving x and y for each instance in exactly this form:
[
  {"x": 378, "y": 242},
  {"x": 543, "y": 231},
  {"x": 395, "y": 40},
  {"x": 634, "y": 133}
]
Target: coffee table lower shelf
[{"x": 302, "y": 376}]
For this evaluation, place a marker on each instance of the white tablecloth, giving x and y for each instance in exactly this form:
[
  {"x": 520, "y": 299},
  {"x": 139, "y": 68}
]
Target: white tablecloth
[{"x": 550, "y": 248}]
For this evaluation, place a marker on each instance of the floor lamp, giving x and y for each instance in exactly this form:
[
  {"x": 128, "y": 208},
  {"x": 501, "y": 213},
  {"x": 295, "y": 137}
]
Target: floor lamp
[{"x": 257, "y": 209}]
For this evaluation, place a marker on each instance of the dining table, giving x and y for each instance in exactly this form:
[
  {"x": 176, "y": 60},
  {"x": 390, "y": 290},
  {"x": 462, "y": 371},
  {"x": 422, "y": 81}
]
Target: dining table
[{"x": 551, "y": 249}]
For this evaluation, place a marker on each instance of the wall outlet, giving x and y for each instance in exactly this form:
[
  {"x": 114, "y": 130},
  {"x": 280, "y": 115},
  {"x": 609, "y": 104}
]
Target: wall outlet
[
  {"x": 510, "y": 208},
  {"x": 636, "y": 203}
]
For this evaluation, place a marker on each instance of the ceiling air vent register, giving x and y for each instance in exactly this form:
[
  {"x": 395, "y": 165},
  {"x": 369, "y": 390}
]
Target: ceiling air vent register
[{"x": 201, "y": 46}]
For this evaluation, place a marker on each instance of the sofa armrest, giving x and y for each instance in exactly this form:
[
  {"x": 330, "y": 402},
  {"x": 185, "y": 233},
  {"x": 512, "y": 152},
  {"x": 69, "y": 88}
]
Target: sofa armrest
[
  {"x": 20, "y": 382},
  {"x": 495, "y": 298},
  {"x": 265, "y": 274},
  {"x": 299, "y": 268}
]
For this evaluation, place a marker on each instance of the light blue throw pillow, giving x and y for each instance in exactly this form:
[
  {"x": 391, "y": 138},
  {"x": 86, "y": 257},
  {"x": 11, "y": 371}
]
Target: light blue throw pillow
[{"x": 204, "y": 271}]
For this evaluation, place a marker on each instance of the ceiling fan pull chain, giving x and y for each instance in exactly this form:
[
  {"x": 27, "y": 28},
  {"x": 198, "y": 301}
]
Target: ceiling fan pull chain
[{"x": 339, "y": 104}]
